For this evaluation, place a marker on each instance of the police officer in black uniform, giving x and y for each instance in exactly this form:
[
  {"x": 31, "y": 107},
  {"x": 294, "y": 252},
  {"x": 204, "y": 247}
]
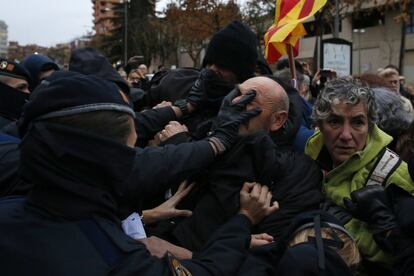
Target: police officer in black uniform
[{"x": 77, "y": 152}]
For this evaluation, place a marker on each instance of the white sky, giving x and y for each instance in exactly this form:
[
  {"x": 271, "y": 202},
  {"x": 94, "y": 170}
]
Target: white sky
[{"x": 47, "y": 22}]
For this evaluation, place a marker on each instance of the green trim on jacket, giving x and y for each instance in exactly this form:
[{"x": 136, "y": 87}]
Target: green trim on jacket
[{"x": 352, "y": 175}]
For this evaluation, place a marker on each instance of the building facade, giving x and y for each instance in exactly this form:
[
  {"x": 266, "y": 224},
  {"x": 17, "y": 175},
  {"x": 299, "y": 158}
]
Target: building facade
[
  {"x": 376, "y": 42},
  {"x": 19, "y": 52},
  {"x": 103, "y": 12},
  {"x": 3, "y": 39}
]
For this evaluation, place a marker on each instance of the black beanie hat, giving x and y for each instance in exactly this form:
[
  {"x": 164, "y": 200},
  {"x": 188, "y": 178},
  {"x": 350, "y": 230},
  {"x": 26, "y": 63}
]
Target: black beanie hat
[
  {"x": 233, "y": 48},
  {"x": 66, "y": 93},
  {"x": 13, "y": 69}
]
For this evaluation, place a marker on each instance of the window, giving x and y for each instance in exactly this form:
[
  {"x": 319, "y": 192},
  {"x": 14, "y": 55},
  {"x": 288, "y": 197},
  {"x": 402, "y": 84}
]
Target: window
[
  {"x": 365, "y": 19},
  {"x": 311, "y": 30},
  {"x": 409, "y": 29}
]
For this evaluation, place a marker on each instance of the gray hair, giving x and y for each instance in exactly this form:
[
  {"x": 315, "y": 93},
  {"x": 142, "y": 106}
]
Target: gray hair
[
  {"x": 347, "y": 90},
  {"x": 393, "y": 118}
]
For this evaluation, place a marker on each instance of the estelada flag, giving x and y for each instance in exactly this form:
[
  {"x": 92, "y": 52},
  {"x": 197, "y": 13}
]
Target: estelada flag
[{"x": 288, "y": 27}]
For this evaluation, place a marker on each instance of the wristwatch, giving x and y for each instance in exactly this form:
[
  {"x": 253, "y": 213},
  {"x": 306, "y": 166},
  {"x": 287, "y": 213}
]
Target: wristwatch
[{"x": 182, "y": 105}]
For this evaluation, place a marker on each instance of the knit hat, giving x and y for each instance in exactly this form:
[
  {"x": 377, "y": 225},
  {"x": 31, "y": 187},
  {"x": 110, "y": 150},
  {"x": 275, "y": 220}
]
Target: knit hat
[
  {"x": 233, "y": 48},
  {"x": 13, "y": 69},
  {"x": 67, "y": 93}
]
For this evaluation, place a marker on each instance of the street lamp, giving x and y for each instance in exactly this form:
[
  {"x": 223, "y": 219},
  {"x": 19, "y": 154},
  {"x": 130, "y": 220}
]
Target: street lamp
[
  {"x": 125, "y": 2},
  {"x": 359, "y": 32}
]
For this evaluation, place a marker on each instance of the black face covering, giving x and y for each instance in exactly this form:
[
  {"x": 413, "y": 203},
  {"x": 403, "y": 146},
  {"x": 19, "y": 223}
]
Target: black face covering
[
  {"x": 11, "y": 101},
  {"x": 74, "y": 173},
  {"x": 216, "y": 87}
]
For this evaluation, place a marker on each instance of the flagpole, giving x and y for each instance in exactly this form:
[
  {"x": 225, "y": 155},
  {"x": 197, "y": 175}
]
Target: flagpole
[{"x": 292, "y": 65}]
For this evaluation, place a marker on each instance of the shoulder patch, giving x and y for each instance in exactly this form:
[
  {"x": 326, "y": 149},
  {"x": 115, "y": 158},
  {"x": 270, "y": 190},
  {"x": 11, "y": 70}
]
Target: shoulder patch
[{"x": 3, "y": 65}]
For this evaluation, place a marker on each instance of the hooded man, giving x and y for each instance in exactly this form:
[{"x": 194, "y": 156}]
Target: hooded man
[
  {"x": 230, "y": 59},
  {"x": 39, "y": 67}
]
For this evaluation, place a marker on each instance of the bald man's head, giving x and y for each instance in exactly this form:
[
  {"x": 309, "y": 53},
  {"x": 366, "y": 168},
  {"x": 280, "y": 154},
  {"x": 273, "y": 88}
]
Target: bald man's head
[{"x": 271, "y": 98}]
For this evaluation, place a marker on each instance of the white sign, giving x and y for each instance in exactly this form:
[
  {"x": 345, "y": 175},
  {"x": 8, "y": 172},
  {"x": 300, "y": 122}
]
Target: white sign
[{"x": 338, "y": 58}]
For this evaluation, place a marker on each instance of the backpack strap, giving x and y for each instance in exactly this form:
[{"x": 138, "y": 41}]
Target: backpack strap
[
  {"x": 386, "y": 164},
  {"x": 103, "y": 244}
]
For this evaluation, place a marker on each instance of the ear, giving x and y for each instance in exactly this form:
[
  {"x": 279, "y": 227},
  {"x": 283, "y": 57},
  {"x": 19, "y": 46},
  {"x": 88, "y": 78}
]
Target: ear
[{"x": 278, "y": 120}]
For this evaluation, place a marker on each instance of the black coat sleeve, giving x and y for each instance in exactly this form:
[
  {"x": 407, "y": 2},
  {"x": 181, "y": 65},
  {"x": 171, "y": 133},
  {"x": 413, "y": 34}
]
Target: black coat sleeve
[
  {"x": 222, "y": 255},
  {"x": 10, "y": 182},
  {"x": 149, "y": 122},
  {"x": 401, "y": 239},
  {"x": 156, "y": 169},
  {"x": 225, "y": 252}
]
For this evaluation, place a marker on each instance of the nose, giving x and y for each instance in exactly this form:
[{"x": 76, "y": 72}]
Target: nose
[{"x": 346, "y": 133}]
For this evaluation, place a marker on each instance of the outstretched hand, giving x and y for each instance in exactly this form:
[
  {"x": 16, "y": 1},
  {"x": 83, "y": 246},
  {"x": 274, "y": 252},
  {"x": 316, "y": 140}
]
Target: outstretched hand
[
  {"x": 256, "y": 202},
  {"x": 172, "y": 129},
  {"x": 167, "y": 209}
]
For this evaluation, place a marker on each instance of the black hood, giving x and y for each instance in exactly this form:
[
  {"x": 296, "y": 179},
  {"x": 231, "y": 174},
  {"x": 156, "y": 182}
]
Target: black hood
[
  {"x": 74, "y": 173},
  {"x": 89, "y": 61},
  {"x": 11, "y": 102},
  {"x": 35, "y": 64}
]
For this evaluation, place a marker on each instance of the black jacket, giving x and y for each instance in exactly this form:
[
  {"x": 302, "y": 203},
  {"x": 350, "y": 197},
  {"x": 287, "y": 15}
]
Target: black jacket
[
  {"x": 11, "y": 104},
  {"x": 176, "y": 84},
  {"x": 37, "y": 242},
  {"x": 68, "y": 224},
  {"x": 293, "y": 179},
  {"x": 10, "y": 183}
]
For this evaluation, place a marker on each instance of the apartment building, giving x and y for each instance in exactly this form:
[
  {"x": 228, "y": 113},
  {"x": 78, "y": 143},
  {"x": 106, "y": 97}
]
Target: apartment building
[
  {"x": 103, "y": 12},
  {"x": 3, "y": 39}
]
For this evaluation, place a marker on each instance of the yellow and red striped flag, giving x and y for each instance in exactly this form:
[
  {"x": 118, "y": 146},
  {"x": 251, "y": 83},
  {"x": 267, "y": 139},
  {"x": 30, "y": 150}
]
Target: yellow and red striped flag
[{"x": 288, "y": 27}]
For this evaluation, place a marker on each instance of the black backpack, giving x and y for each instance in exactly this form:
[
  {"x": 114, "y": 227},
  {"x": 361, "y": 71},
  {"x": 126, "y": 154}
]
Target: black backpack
[{"x": 171, "y": 85}]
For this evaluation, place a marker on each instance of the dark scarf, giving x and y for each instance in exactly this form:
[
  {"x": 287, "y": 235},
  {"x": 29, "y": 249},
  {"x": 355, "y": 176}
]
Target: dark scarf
[
  {"x": 11, "y": 102},
  {"x": 75, "y": 174}
]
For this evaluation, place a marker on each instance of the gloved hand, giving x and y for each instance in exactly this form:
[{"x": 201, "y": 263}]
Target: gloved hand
[
  {"x": 209, "y": 89},
  {"x": 337, "y": 211},
  {"x": 370, "y": 204},
  {"x": 230, "y": 117}
]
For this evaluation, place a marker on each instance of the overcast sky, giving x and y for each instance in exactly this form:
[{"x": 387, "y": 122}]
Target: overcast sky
[{"x": 47, "y": 22}]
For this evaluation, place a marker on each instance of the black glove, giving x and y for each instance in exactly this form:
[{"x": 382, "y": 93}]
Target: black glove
[
  {"x": 230, "y": 117},
  {"x": 209, "y": 89},
  {"x": 370, "y": 204},
  {"x": 337, "y": 211}
]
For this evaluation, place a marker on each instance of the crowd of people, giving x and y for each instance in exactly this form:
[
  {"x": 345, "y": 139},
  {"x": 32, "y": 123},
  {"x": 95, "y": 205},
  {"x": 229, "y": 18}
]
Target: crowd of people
[{"x": 228, "y": 169}]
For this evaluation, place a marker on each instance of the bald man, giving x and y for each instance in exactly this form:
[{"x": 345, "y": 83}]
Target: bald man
[
  {"x": 292, "y": 177},
  {"x": 273, "y": 101}
]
